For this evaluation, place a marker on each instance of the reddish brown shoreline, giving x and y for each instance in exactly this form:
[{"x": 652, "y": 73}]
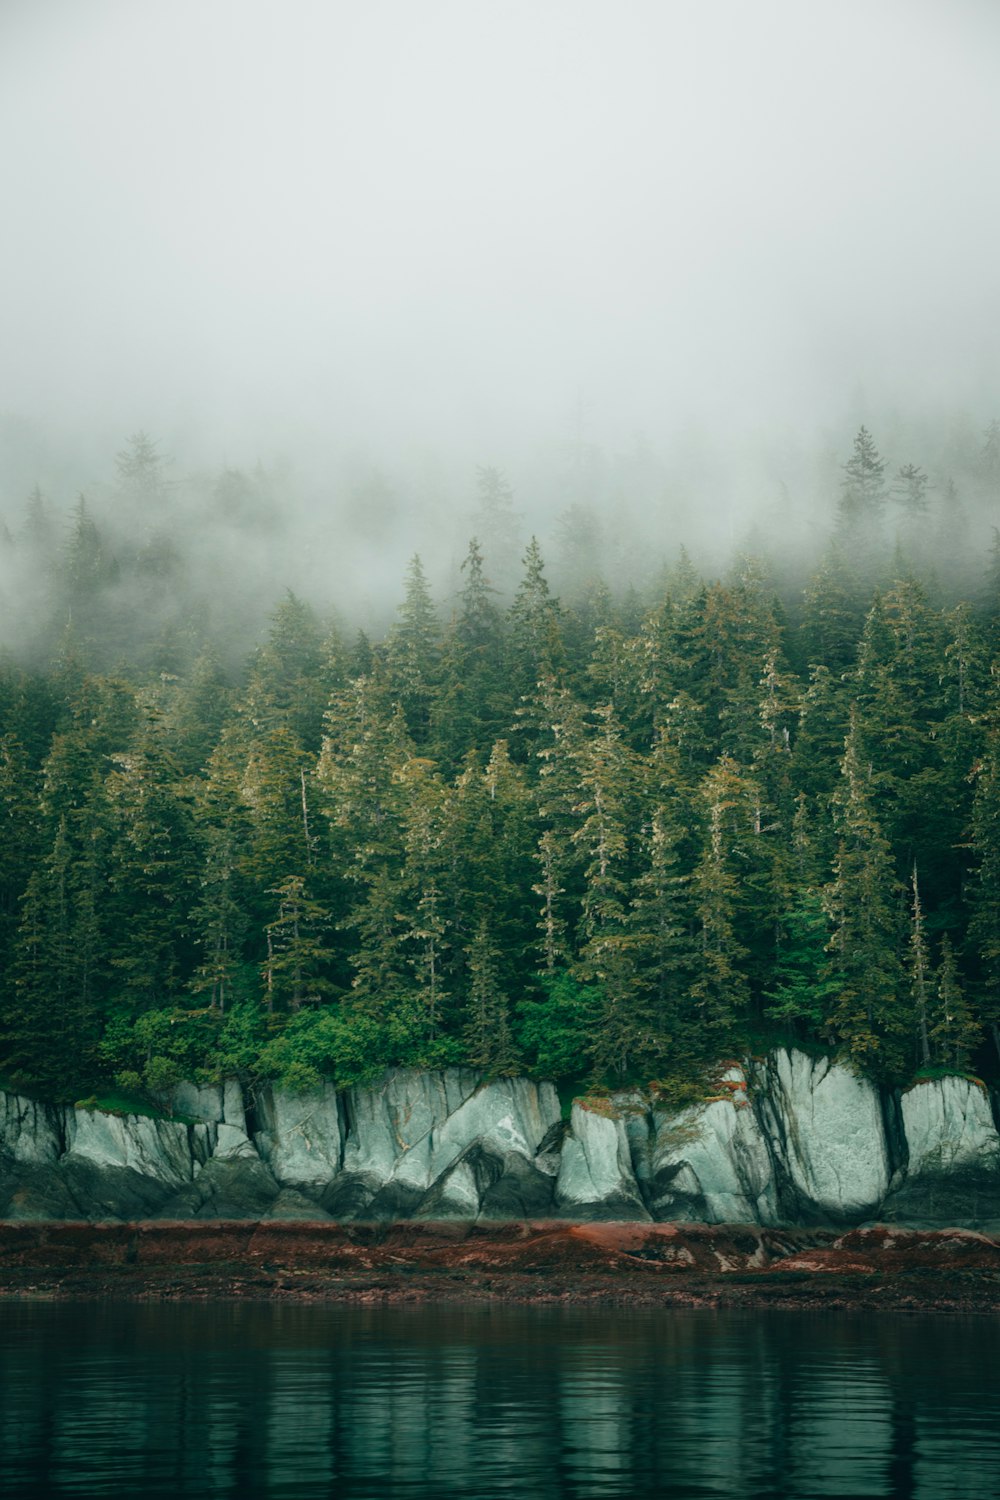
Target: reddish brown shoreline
[{"x": 544, "y": 1262}]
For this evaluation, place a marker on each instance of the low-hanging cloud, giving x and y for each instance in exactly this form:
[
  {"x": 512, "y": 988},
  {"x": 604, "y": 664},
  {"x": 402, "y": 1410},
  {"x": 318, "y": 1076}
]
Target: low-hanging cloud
[{"x": 422, "y": 237}]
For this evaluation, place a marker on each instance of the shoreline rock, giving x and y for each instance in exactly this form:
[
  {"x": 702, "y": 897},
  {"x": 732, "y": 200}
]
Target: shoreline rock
[{"x": 787, "y": 1140}]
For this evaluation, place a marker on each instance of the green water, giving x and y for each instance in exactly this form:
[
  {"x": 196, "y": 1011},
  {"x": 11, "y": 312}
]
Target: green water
[{"x": 224, "y": 1399}]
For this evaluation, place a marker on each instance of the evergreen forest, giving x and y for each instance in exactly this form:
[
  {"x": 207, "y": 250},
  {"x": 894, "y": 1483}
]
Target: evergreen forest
[{"x": 588, "y": 832}]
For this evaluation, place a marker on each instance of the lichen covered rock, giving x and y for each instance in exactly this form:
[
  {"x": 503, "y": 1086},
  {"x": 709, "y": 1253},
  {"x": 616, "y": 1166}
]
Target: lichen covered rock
[{"x": 711, "y": 1163}]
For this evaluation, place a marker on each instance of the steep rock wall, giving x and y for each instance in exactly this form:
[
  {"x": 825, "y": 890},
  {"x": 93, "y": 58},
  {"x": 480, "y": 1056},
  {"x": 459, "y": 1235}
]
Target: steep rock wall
[
  {"x": 787, "y": 1139},
  {"x": 712, "y": 1163}
]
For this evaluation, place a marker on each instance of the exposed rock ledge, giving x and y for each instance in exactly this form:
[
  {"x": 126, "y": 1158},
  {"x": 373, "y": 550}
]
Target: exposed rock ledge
[{"x": 790, "y": 1139}]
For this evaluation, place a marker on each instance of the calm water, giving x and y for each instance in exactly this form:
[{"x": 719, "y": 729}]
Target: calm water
[{"x": 249, "y": 1401}]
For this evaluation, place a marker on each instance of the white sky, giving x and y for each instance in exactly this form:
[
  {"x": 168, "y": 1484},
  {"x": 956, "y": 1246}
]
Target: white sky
[{"x": 437, "y": 221}]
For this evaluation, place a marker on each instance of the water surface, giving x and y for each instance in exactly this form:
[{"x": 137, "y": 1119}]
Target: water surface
[{"x": 247, "y": 1400}]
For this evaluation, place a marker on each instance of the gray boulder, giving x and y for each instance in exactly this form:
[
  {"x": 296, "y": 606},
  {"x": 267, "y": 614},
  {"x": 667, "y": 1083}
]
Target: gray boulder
[
  {"x": 231, "y": 1141},
  {"x": 596, "y": 1180},
  {"x": 432, "y": 1144},
  {"x": 128, "y": 1166},
  {"x": 236, "y": 1187},
  {"x": 953, "y": 1172},
  {"x": 301, "y": 1139},
  {"x": 216, "y": 1103},
  {"x": 948, "y": 1123},
  {"x": 509, "y": 1116},
  {"x": 35, "y": 1191},
  {"x": 711, "y": 1163},
  {"x": 826, "y": 1133},
  {"x": 164, "y": 1151},
  {"x": 199, "y": 1101},
  {"x": 30, "y": 1132},
  {"x": 292, "y": 1204},
  {"x": 392, "y": 1124},
  {"x": 489, "y": 1184}
]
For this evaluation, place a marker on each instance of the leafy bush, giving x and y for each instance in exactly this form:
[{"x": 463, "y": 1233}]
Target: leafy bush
[{"x": 556, "y": 1033}]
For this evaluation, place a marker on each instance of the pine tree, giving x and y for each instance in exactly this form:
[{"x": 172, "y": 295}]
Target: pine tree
[
  {"x": 954, "y": 1031},
  {"x": 84, "y": 573},
  {"x": 833, "y": 614},
  {"x": 901, "y": 707},
  {"x": 607, "y": 773},
  {"x": 497, "y": 523},
  {"x": 53, "y": 1025},
  {"x": 427, "y": 930},
  {"x": 536, "y": 648},
  {"x": 19, "y": 787},
  {"x": 720, "y": 989},
  {"x": 37, "y": 536},
  {"x": 200, "y": 708},
  {"x": 152, "y": 863},
  {"x": 862, "y": 498},
  {"x": 909, "y": 492},
  {"x": 552, "y": 924},
  {"x": 139, "y": 474},
  {"x": 412, "y": 654},
  {"x": 662, "y": 918},
  {"x": 365, "y": 747},
  {"x": 984, "y": 894},
  {"x": 295, "y": 969},
  {"x": 219, "y": 919},
  {"x": 476, "y": 705},
  {"x": 919, "y": 971},
  {"x": 287, "y": 690},
  {"x": 801, "y": 990},
  {"x": 488, "y": 836},
  {"x": 558, "y": 723},
  {"x": 488, "y": 1035},
  {"x": 870, "y": 1015}
]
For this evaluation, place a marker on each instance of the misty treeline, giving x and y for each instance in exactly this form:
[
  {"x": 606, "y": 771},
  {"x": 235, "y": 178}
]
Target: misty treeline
[{"x": 613, "y": 835}]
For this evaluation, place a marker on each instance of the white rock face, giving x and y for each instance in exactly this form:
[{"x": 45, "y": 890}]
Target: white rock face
[
  {"x": 809, "y": 1141},
  {"x": 460, "y": 1198},
  {"x": 393, "y": 1122},
  {"x": 824, "y": 1124},
  {"x": 302, "y": 1138},
  {"x": 948, "y": 1123},
  {"x": 28, "y": 1130},
  {"x": 231, "y": 1141},
  {"x": 233, "y": 1112},
  {"x": 216, "y": 1103},
  {"x": 160, "y": 1149},
  {"x": 640, "y": 1132},
  {"x": 711, "y": 1163},
  {"x": 595, "y": 1170},
  {"x": 411, "y": 1127},
  {"x": 508, "y": 1114},
  {"x": 200, "y": 1101}
]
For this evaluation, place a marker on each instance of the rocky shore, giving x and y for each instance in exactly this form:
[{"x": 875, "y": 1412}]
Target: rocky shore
[
  {"x": 543, "y": 1262},
  {"x": 786, "y": 1140}
]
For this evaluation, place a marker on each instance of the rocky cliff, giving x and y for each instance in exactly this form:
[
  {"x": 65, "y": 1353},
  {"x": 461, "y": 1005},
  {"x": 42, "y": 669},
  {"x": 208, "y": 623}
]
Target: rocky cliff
[{"x": 788, "y": 1139}]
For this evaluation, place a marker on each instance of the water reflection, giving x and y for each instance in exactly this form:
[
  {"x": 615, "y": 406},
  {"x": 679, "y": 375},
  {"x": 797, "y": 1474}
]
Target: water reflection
[{"x": 228, "y": 1400}]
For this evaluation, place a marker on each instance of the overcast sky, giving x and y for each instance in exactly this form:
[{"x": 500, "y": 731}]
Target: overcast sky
[{"x": 440, "y": 221}]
